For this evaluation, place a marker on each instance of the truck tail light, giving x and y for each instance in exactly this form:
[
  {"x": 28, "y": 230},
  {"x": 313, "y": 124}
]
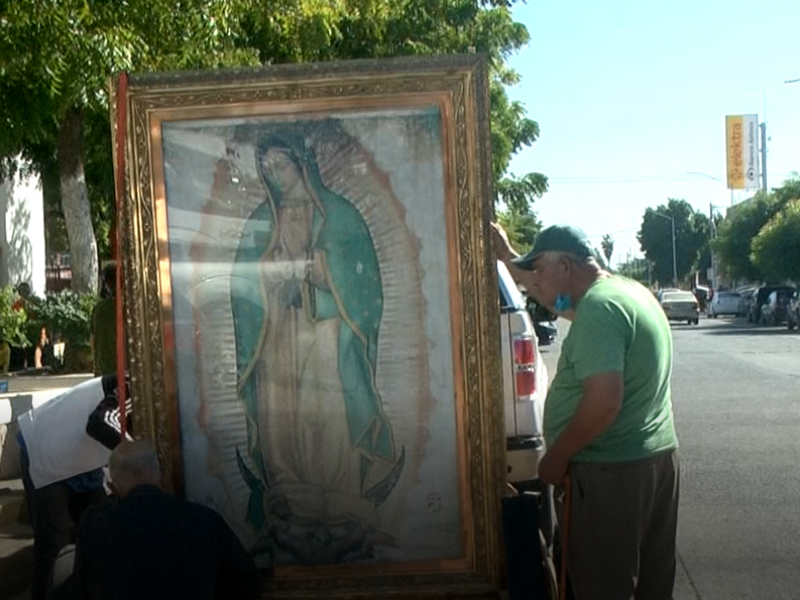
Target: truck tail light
[
  {"x": 524, "y": 367},
  {"x": 526, "y": 384},
  {"x": 523, "y": 351}
]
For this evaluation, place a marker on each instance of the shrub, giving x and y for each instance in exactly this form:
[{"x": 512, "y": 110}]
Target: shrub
[
  {"x": 13, "y": 318},
  {"x": 68, "y": 317}
]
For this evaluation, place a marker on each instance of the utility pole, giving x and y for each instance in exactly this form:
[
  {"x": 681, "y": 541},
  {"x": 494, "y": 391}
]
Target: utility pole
[
  {"x": 713, "y": 279},
  {"x": 763, "y": 156}
]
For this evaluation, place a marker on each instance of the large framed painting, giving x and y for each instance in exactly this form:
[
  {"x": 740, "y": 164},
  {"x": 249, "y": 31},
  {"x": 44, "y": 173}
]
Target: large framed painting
[{"x": 311, "y": 315}]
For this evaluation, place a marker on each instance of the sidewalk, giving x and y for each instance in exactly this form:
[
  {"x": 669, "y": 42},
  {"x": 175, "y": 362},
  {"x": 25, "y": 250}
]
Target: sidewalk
[{"x": 16, "y": 535}]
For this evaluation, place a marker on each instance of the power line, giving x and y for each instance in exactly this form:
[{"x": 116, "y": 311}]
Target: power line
[
  {"x": 592, "y": 180},
  {"x": 662, "y": 123},
  {"x": 614, "y": 232},
  {"x": 638, "y": 179}
]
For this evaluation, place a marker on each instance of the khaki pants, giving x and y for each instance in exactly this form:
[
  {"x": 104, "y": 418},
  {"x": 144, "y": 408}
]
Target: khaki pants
[{"x": 623, "y": 525}]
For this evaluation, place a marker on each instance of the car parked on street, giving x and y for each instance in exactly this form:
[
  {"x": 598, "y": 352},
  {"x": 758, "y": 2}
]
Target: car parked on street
[
  {"x": 746, "y": 299},
  {"x": 681, "y": 306},
  {"x": 775, "y": 309},
  {"x": 793, "y": 314},
  {"x": 546, "y": 332},
  {"x": 543, "y": 321},
  {"x": 760, "y": 300},
  {"x": 724, "y": 303}
]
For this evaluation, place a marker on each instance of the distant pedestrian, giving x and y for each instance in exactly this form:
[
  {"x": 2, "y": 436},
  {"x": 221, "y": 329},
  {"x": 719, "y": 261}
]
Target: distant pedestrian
[
  {"x": 64, "y": 445},
  {"x": 608, "y": 420},
  {"x": 152, "y": 545},
  {"x": 104, "y": 325}
]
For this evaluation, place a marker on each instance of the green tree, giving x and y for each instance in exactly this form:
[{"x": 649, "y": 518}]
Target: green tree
[
  {"x": 744, "y": 222},
  {"x": 58, "y": 56},
  {"x": 312, "y": 30},
  {"x": 776, "y": 248},
  {"x": 607, "y": 244},
  {"x": 692, "y": 231},
  {"x": 788, "y": 191},
  {"x": 521, "y": 227},
  {"x": 637, "y": 269},
  {"x": 736, "y": 232}
]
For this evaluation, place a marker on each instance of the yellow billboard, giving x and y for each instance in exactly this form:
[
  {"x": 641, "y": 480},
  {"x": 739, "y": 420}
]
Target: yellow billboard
[{"x": 741, "y": 137}]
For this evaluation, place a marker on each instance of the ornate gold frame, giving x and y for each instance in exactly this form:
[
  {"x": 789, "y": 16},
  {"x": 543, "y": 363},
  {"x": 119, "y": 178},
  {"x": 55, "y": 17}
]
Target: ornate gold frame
[{"x": 459, "y": 85}]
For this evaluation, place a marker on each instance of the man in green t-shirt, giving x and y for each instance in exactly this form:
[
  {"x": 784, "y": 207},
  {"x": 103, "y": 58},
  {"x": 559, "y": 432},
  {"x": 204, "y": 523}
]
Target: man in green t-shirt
[
  {"x": 104, "y": 326},
  {"x": 608, "y": 420}
]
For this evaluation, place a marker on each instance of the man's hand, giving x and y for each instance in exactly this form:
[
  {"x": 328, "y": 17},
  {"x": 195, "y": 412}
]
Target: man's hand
[
  {"x": 553, "y": 468},
  {"x": 502, "y": 247}
]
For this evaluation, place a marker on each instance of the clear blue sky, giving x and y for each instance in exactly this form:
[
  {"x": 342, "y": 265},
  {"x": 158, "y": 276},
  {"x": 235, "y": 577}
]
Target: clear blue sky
[{"x": 632, "y": 95}]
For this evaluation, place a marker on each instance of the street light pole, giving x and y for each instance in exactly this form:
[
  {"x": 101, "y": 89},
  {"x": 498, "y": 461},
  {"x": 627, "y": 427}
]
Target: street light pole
[
  {"x": 674, "y": 257},
  {"x": 674, "y": 260}
]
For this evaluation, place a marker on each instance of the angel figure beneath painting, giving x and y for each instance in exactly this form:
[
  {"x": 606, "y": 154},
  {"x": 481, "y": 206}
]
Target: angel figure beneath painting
[{"x": 307, "y": 305}]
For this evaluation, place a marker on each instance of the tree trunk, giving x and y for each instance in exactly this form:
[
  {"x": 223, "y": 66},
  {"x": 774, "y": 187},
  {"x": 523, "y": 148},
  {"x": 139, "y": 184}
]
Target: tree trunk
[{"x": 75, "y": 204}]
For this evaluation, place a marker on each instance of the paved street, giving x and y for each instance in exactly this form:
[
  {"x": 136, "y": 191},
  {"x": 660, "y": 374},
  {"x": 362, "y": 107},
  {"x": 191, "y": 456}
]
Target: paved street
[{"x": 737, "y": 405}]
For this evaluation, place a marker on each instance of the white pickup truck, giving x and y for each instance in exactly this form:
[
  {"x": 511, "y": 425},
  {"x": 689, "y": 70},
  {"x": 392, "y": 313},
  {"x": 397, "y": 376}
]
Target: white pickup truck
[{"x": 525, "y": 382}]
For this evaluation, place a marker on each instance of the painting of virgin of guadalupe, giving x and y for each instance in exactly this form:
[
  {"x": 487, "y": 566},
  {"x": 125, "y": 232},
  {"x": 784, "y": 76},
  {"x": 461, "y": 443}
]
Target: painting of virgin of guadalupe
[
  {"x": 307, "y": 303},
  {"x": 314, "y": 351},
  {"x": 310, "y": 328}
]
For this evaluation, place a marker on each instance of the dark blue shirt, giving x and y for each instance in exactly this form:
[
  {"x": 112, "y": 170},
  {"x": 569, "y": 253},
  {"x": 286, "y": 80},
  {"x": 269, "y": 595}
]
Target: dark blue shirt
[{"x": 155, "y": 546}]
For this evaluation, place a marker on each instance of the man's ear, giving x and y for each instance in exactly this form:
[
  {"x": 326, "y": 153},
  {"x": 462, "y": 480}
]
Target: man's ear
[{"x": 565, "y": 265}]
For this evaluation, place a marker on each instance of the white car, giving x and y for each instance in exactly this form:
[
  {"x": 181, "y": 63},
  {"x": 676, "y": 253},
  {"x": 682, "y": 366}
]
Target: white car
[
  {"x": 681, "y": 306},
  {"x": 724, "y": 303}
]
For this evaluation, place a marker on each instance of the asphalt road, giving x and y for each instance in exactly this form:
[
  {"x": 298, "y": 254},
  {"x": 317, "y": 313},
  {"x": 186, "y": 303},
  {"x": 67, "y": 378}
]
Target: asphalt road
[{"x": 736, "y": 392}]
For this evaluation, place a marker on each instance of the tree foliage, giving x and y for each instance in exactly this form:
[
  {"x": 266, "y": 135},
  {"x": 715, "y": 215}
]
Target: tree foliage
[
  {"x": 736, "y": 232},
  {"x": 638, "y": 269},
  {"x": 522, "y": 228},
  {"x": 692, "y": 231},
  {"x": 607, "y": 245},
  {"x": 58, "y": 56},
  {"x": 56, "y": 59},
  {"x": 776, "y": 248},
  {"x": 301, "y": 31}
]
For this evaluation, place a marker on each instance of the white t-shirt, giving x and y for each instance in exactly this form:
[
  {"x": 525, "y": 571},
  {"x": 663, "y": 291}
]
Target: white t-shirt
[{"x": 55, "y": 435}]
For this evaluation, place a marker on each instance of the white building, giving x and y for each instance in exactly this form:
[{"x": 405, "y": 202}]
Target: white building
[{"x": 22, "y": 247}]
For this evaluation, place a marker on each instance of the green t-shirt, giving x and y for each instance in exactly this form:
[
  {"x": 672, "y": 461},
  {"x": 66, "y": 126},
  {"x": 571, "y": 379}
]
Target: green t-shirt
[
  {"x": 104, "y": 332},
  {"x": 618, "y": 327}
]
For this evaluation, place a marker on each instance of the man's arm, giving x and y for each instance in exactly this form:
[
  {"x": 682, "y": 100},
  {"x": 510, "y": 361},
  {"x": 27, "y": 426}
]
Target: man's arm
[
  {"x": 504, "y": 251},
  {"x": 597, "y": 410},
  {"x": 105, "y": 423},
  {"x": 601, "y": 403}
]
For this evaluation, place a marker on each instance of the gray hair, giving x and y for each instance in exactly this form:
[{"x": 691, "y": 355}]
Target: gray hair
[
  {"x": 553, "y": 256},
  {"x": 132, "y": 464}
]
